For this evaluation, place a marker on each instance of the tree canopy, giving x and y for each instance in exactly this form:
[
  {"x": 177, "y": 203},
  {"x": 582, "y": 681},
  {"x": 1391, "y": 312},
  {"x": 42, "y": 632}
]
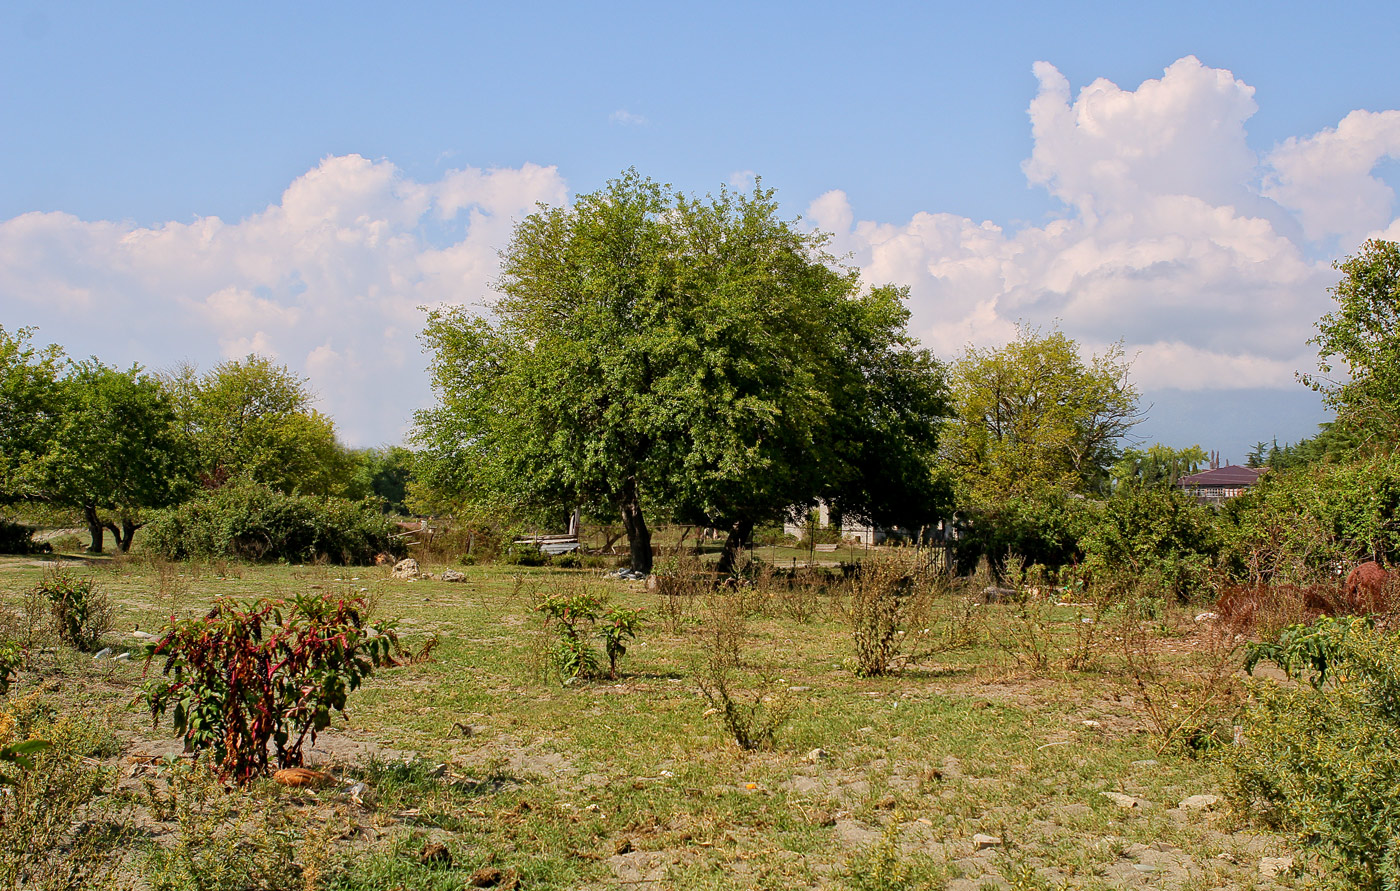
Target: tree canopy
[
  {"x": 1034, "y": 414},
  {"x": 253, "y": 418},
  {"x": 700, "y": 359},
  {"x": 115, "y": 446},
  {"x": 1362, "y": 336}
]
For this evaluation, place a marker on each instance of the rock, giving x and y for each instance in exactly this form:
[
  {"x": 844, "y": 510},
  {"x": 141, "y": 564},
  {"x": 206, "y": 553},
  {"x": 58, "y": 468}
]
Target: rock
[
  {"x": 102, "y": 654},
  {"x": 300, "y": 777},
  {"x": 452, "y": 575},
  {"x": 1273, "y": 867},
  {"x": 816, "y": 756},
  {"x": 435, "y": 854},
  {"x": 993, "y": 594},
  {"x": 1207, "y": 617},
  {"x": 981, "y": 842},
  {"x": 124, "y": 657},
  {"x": 1199, "y": 803},
  {"x": 1124, "y": 801},
  {"x": 406, "y": 569}
]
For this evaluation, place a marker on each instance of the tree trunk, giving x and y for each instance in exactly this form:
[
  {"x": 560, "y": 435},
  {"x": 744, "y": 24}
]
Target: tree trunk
[
  {"x": 739, "y": 535},
  {"x": 638, "y": 536},
  {"x": 94, "y": 528},
  {"x": 128, "y": 532}
]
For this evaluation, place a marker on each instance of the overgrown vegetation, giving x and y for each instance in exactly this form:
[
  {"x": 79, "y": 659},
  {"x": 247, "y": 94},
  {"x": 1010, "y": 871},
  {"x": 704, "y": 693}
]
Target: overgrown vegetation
[
  {"x": 249, "y": 521},
  {"x": 1322, "y": 759}
]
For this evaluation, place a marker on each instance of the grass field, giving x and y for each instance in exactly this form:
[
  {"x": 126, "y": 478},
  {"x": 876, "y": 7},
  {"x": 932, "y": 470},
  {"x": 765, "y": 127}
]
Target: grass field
[{"x": 1021, "y": 746}]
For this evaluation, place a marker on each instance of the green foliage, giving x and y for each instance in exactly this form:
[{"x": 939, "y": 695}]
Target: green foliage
[
  {"x": 1323, "y": 760},
  {"x": 1297, "y": 525},
  {"x": 1363, "y": 336},
  {"x": 81, "y": 612},
  {"x": 695, "y": 357},
  {"x": 1155, "y": 467},
  {"x": 264, "y": 672},
  {"x": 574, "y": 619},
  {"x": 1156, "y": 538},
  {"x": 11, "y": 661},
  {"x": 17, "y": 538},
  {"x": 115, "y": 446},
  {"x": 252, "y": 419},
  {"x": 1308, "y": 652},
  {"x": 1034, "y": 415},
  {"x": 523, "y": 554},
  {"x": 254, "y": 522},
  {"x": 1040, "y": 526},
  {"x": 383, "y": 475},
  {"x": 59, "y": 829},
  {"x": 29, "y": 407}
]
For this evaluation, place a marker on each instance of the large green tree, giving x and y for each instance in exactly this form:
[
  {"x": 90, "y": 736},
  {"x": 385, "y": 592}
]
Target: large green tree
[
  {"x": 1362, "y": 338},
  {"x": 702, "y": 359},
  {"x": 115, "y": 447},
  {"x": 1034, "y": 414},
  {"x": 253, "y": 419}
]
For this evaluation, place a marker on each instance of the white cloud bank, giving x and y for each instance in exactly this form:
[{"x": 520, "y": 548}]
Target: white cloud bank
[
  {"x": 1173, "y": 235},
  {"x": 328, "y": 280}
]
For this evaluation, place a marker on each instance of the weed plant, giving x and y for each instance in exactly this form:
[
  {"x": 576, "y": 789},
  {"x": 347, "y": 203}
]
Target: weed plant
[
  {"x": 58, "y": 830},
  {"x": 751, "y": 716},
  {"x": 82, "y": 613},
  {"x": 1321, "y": 758}
]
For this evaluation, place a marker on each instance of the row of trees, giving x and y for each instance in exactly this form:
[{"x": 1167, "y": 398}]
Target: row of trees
[
  {"x": 116, "y": 443},
  {"x": 654, "y": 355},
  {"x": 704, "y": 361}
]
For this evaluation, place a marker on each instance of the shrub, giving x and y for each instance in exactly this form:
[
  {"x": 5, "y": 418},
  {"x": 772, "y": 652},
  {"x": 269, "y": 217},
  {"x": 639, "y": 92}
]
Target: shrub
[
  {"x": 523, "y": 553},
  {"x": 879, "y": 594},
  {"x": 1156, "y": 537},
  {"x": 573, "y": 619},
  {"x": 264, "y": 672},
  {"x": 58, "y": 829},
  {"x": 253, "y": 522},
  {"x": 17, "y": 538},
  {"x": 1042, "y": 526},
  {"x": 1296, "y": 526},
  {"x": 81, "y": 612},
  {"x": 751, "y": 716},
  {"x": 1323, "y": 759},
  {"x": 11, "y": 661}
]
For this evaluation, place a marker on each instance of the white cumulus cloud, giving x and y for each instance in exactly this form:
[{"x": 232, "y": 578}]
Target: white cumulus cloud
[
  {"x": 1174, "y": 236},
  {"x": 328, "y": 280}
]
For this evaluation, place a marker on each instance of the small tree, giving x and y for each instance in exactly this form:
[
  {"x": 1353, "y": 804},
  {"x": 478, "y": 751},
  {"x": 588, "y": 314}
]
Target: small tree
[{"x": 264, "y": 672}]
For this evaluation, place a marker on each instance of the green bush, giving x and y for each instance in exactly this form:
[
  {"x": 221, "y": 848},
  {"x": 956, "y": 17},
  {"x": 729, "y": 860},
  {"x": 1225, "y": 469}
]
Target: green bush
[
  {"x": 519, "y": 553},
  {"x": 1323, "y": 759},
  {"x": 253, "y": 522},
  {"x": 1157, "y": 538},
  {"x": 81, "y": 612},
  {"x": 573, "y": 619},
  {"x": 270, "y": 672},
  {"x": 1041, "y": 527},
  {"x": 17, "y": 538},
  {"x": 1295, "y": 526}
]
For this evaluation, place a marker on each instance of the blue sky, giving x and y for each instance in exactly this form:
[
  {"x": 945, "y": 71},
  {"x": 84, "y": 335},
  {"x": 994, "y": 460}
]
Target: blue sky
[{"x": 185, "y": 182}]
